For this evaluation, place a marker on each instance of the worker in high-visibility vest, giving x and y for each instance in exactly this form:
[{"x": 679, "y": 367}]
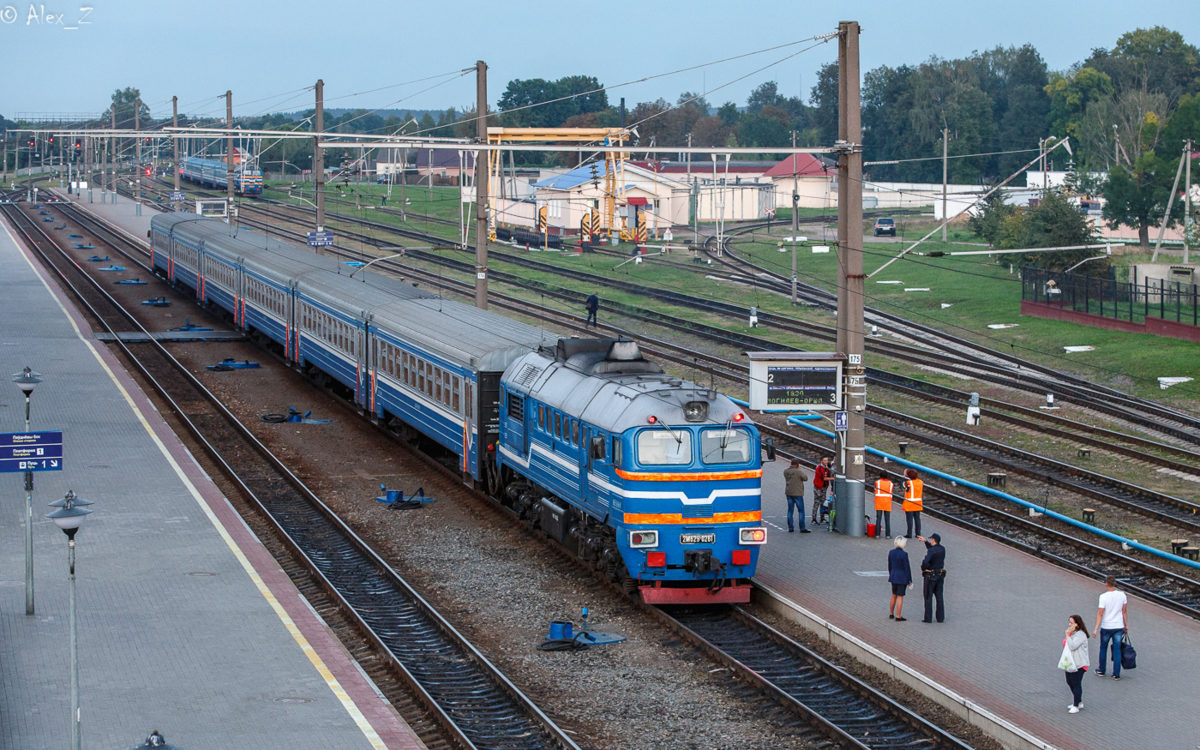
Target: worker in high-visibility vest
[
  {"x": 883, "y": 505},
  {"x": 913, "y": 503}
]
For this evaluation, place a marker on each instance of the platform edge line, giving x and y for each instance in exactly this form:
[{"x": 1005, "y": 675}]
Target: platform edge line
[
  {"x": 998, "y": 728},
  {"x": 314, "y": 658}
]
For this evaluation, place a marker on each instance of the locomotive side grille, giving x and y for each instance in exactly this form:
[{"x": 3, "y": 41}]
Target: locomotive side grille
[{"x": 527, "y": 374}]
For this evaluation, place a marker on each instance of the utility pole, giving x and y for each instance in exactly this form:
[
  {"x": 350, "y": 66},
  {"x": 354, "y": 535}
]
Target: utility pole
[
  {"x": 945, "y": 174},
  {"x": 229, "y": 152},
  {"x": 175, "y": 144},
  {"x": 113, "y": 141},
  {"x": 850, "y": 287},
  {"x": 481, "y": 187},
  {"x": 795, "y": 198},
  {"x": 319, "y": 157},
  {"x": 137, "y": 159},
  {"x": 1187, "y": 199}
]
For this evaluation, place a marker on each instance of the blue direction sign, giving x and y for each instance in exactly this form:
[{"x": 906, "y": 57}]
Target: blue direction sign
[
  {"x": 320, "y": 239},
  {"x": 176, "y": 195},
  {"x": 31, "y": 451}
]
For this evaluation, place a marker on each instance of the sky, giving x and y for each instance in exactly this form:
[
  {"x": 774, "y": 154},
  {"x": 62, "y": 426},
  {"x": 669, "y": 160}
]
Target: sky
[{"x": 270, "y": 52}]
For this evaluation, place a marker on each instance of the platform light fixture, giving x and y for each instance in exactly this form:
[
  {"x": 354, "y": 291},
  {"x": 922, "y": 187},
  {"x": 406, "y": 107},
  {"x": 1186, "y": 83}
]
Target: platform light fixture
[
  {"x": 69, "y": 516},
  {"x": 26, "y": 380}
]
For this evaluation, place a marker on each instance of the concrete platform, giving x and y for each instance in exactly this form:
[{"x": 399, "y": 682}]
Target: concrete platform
[
  {"x": 999, "y": 647},
  {"x": 123, "y": 213},
  {"x": 186, "y": 623}
]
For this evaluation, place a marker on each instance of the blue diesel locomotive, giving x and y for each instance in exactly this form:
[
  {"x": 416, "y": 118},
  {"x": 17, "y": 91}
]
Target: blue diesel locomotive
[
  {"x": 247, "y": 180},
  {"x": 652, "y": 479}
]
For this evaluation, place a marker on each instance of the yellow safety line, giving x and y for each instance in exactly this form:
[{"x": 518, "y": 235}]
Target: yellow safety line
[{"x": 309, "y": 651}]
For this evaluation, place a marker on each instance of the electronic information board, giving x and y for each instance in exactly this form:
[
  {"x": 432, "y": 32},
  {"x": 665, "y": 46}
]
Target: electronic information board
[{"x": 795, "y": 380}]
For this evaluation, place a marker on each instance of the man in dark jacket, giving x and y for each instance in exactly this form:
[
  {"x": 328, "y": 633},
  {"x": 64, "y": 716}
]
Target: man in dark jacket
[
  {"x": 794, "y": 479},
  {"x": 593, "y": 306},
  {"x": 933, "y": 570}
]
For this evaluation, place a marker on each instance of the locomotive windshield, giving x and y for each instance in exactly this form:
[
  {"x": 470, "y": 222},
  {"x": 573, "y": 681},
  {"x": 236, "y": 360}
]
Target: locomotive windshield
[
  {"x": 727, "y": 446},
  {"x": 662, "y": 447}
]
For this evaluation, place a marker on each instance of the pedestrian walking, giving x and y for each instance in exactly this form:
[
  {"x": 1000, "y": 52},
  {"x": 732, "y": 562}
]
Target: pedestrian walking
[
  {"x": 593, "y": 306},
  {"x": 933, "y": 573},
  {"x": 883, "y": 505},
  {"x": 900, "y": 577},
  {"x": 1112, "y": 623},
  {"x": 1074, "y": 660},
  {"x": 821, "y": 479},
  {"x": 913, "y": 502},
  {"x": 794, "y": 479}
]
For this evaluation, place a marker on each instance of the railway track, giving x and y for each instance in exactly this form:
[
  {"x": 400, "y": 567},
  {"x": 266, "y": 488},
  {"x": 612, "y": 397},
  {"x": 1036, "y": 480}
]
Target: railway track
[
  {"x": 456, "y": 695},
  {"x": 1069, "y": 387},
  {"x": 795, "y": 677}
]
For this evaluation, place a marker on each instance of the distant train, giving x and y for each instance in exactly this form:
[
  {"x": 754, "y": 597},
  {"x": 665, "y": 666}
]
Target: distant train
[
  {"x": 246, "y": 180},
  {"x": 652, "y": 479}
]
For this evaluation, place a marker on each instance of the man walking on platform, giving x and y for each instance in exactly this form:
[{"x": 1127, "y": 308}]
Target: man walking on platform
[
  {"x": 1112, "y": 623},
  {"x": 593, "y": 306},
  {"x": 821, "y": 478},
  {"x": 933, "y": 570},
  {"x": 794, "y": 479}
]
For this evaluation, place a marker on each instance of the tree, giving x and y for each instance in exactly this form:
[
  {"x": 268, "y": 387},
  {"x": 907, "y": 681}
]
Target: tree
[
  {"x": 990, "y": 223},
  {"x": 1137, "y": 197},
  {"x": 1184, "y": 124},
  {"x": 1070, "y": 96},
  {"x": 766, "y": 95},
  {"x": 824, "y": 112},
  {"x": 710, "y": 131},
  {"x": 1055, "y": 222},
  {"x": 729, "y": 114},
  {"x": 123, "y": 101},
  {"x": 538, "y": 103}
]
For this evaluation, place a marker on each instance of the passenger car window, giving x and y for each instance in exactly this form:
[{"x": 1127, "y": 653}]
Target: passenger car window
[
  {"x": 725, "y": 446},
  {"x": 664, "y": 447}
]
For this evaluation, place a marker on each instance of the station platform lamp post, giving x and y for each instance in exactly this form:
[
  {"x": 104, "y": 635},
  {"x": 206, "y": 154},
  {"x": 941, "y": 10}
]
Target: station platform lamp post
[
  {"x": 26, "y": 380},
  {"x": 68, "y": 516}
]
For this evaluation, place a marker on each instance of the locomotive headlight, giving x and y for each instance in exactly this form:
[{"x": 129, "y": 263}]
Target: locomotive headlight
[
  {"x": 643, "y": 539},
  {"x": 753, "y": 536},
  {"x": 695, "y": 411}
]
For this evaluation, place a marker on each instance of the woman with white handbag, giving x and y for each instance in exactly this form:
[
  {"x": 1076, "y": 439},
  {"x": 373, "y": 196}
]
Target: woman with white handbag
[{"x": 1074, "y": 660}]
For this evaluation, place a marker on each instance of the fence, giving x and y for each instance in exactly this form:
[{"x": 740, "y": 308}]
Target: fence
[{"x": 1119, "y": 300}]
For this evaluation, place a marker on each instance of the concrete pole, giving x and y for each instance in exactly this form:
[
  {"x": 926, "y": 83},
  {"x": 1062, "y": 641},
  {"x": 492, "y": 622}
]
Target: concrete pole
[
  {"x": 850, "y": 286},
  {"x": 137, "y": 159},
  {"x": 795, "y": 200},
  {"x": 175, "y": 143},
  {"x": 318, "y": 169},
  {"x": 229, "y": 152},
  {"x": 1187, "y": 199},
  {"x": 481, "y": 187},
  {"x": 945, "y": 173},
  {"x": 113, "y": 144}
]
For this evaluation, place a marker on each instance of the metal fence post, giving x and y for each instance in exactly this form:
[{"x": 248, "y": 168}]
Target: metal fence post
[{"x": 1162, "y": 299}]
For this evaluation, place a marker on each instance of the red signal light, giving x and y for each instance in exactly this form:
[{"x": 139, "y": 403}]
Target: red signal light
[
  {"x": 658, "y": 559},
  {"x": 147, "y": 171},
  {"x": 651, "y": 419},
  {"x": 738, "y": 417}
]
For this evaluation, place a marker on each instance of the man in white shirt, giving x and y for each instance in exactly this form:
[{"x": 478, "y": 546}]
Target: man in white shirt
[{"x": 1112, "y": 623}]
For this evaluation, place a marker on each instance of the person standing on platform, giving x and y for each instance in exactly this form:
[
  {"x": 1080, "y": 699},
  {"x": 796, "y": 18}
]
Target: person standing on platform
[
  {"x": 900, "y": 577},
  {"x": 1112, "y": 623},
  {"x": 820, "y": 487},
  {"x": 1074, "y": 660},
  {"x": 883, "y": 505},
  {"x": 794, "y": 479},
  {"x": 933, "y": 571},
  {"x": 913, "y": 502},
  {"x": 593, "y": 306}
]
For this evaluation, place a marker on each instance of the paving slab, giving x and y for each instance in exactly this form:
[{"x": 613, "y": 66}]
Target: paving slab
[
  {"x": 186, "y": 623},
  {"x": 1006, "y": 613}
]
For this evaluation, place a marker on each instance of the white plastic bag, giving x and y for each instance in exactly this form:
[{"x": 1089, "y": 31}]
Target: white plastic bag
[{"x": 1066, "y": 661}]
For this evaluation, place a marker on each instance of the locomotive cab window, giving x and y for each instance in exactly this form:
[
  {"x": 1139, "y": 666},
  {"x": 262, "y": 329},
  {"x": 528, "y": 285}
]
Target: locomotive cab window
[
  {"x": 616, "y": 450},
  {"x": 725, "y": 446},
  {"x": 596, "y": 451},
  {"x": 664, "y": 447}
]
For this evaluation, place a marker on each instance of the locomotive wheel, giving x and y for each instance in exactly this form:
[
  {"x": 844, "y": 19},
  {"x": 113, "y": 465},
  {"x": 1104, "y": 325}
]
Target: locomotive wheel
[{"x": 628, "y": 583}]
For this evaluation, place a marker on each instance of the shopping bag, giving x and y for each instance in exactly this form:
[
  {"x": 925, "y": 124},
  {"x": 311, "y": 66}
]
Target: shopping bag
[
  {"x": 1128, "y": 654},
  {"x": 1066, "y": 661}
]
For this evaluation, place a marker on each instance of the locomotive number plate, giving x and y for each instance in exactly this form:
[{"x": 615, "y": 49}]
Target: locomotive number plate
[{"x": 697, "y": 538}]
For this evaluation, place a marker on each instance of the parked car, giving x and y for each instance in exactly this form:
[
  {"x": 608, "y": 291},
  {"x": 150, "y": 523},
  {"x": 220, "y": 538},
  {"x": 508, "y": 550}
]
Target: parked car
[{"x": 885, "y": 226}]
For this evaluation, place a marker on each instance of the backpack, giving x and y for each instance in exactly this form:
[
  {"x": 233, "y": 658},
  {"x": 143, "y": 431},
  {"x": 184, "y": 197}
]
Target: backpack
[{"x": 1128, "y": 654}]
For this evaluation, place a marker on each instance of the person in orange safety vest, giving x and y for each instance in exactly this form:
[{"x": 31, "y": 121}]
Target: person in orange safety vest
[
  {"x": 883, "y": 505},
  {"x": 913, "y": 502}
]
